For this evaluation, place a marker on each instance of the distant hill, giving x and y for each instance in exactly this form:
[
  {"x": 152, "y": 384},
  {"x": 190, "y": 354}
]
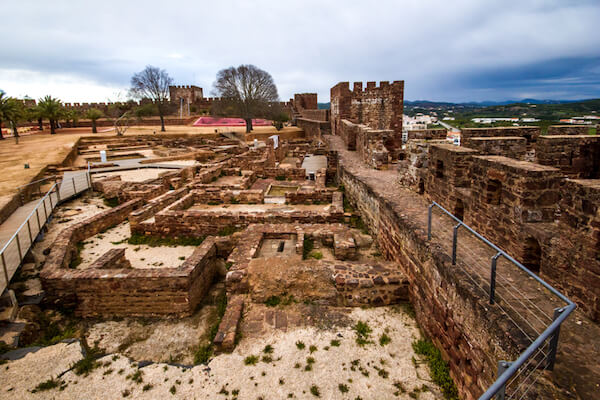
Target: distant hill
[{"x": 324, "y": 106}]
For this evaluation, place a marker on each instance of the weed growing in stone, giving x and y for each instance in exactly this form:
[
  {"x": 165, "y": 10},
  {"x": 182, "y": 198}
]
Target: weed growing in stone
[
  {"x": 362, "y": 330},
  {"x": 300, "y": 345},
  {"x": 173, "y": 389},
  {"x": 314, "y": 390},
  {"x": 147, "y": 387},
  {"x": 439, "y": 369},
  {"x": 251, "y": 360},
  {"x": 384, "y": 339},
  {"x": 88, "y": 363},
  {"x": 335, "y": 343},
  {"x": 154, "y": 241},
  {"x": 312, "y": 348},
  {"x": 268, "y": 349},
  {"x": 48, "y": 385},
  {"x": 343, "y": 388}
]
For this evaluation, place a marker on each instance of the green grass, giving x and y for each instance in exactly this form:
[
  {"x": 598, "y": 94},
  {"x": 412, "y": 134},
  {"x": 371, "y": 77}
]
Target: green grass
[
  {"x": 273, "y": 301},
  {"x": 317, "y": 255},
  {"x": 439, "y": 369},
  {"x": 314, "y": 390},
  {"x": 280, "y": 178},
  {"x": 88, "y": 363},
  {"x": 335, "y": 343},
  {"x": 251, "y": 360},
  {"x": 76, "y": 260},
  {"x": 363, "y": 331},
  {"x": 47, "y": 385},
  {"x": 307, "y": 247},
  {"x": 268, "y": 349},
  {"x": 384, "y": 339},
  {"x": 154, "y": 241},
  {"x": 205, "y": 350}
]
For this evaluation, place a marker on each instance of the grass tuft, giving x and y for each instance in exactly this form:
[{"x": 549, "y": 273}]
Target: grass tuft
[{"x": 439, "y": 369}]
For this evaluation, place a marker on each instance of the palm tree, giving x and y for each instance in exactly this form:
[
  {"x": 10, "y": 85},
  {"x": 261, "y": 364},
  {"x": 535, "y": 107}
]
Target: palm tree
[
  {"x": 94, "y": 114},
  {"x": 4, "y": 110},
  {"x": 15, "y": 114},
  {"x": 51, "y": 109}
]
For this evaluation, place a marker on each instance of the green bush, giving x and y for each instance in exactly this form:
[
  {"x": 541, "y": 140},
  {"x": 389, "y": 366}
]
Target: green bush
[{"x": 307, "y": 247}]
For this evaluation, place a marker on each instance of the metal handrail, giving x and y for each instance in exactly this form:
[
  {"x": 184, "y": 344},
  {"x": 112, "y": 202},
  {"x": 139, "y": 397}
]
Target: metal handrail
[
  {"x": 561, "y": 314},
  {"x": 55, "y": 188},
  {"x": 28, "y": 218}
]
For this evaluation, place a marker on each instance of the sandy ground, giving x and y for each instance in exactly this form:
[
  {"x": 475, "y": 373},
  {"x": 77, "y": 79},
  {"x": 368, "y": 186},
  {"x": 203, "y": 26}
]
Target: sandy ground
[
  {"x": 388, "y": 367},
  {"x": 134, "y": 175},
  {"x": 179, "y": 162},
  {"x": 140, "y": 256}
]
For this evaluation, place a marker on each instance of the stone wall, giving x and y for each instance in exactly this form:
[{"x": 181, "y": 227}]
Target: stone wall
[
  {"x": 571, "y": 258},
  {"x": 313, "y": 128},
  {"x": 111, "y": 287},
  {"x": 305, "y": 101},
  {"x": 449, "y": 171},
  {"x": 445, "y": 299},
  {"x": 511, "y": 146},
  {"x": 428, "y": 134},
  {"x": 568, "y": 129},
  {"x": 531, "y": 133},
  {"x": 178, "y": 220},
  {"x": 506, "y": 194},
  {"x": 576, "y": 156},
  {"x": 372, "y": 145},
  {"x": 316, "y": 115}
]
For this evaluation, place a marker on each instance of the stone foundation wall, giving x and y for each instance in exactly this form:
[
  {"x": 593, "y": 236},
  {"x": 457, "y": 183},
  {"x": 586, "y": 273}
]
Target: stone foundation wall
[
  {"x": 531, "y": 133},
  {"x": 111, "y": 287},
  {"x": 512, "y": 147},
  {"x": 312, "y": 196},
  {"x": 296, "y": 174},
  {"x": 568, "y": 129},
  {"x": 429, "y": 134},
  {"x": 576, "y": 156},
  {"x": 371, "y": 144}
]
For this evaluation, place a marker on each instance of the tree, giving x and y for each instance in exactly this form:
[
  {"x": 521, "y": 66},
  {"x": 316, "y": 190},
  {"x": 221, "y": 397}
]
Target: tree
[
  {"x": 247, "y": 90},
  {"x": 153, "y": 83},
  {"x": 15, "y": 113},
  {"x": 94, "y": 114},
  {"x": 4, "y": 110},
  {"x": 51, "y": 109}
]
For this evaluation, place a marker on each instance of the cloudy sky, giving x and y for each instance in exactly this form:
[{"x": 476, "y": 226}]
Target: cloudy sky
[{"x": 459, "y": 50}]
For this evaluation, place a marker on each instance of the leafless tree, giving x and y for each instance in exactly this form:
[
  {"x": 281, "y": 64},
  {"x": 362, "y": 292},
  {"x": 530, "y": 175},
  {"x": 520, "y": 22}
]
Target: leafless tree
[
  {"x": 246, "y": 91},
  {"x": 123, "y": 123},
  {"x": 153, "y": 83}
]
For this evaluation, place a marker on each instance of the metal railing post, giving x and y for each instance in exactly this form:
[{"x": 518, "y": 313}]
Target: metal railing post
[
  {"x": 19, "y": 248},
  {"x": 21, "y": 196},
  {"x": 74, "y": 190},
  {"x": 493, "y": 278},
  {"x": 50, "y": 198},
  {"x": 37, "y": 214},
  {"x": 45, "y": 211},
  {"x": 554, "y": 341},
  {"x": 4, "y": 268},
  {"x": 429, "y": 212},
  {"x": 30, "y": 236},
  {"x": 502, "y": 366},
  {"x": 454, "y": 243}
]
